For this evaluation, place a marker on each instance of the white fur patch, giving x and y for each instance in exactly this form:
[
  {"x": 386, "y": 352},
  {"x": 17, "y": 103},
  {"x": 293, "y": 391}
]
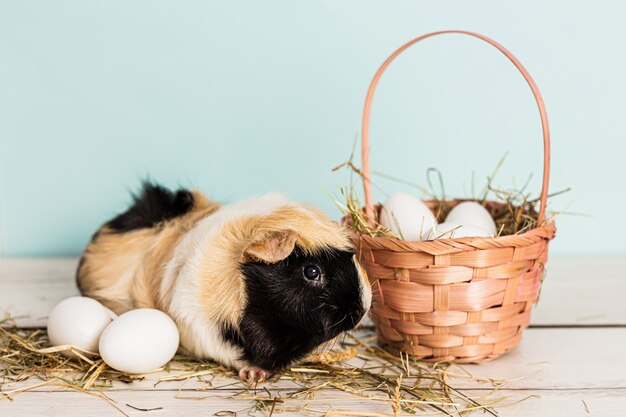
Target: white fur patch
[
  {"x": 366, "y": 293},
  {"x": 200, "y": 334},
  {"x": 190, "y": 251}
]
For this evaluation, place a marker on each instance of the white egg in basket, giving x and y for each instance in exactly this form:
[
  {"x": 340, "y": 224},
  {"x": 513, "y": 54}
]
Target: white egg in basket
[
  {"x": 407, "y": 217},
  {"x": 470, "y": 213}
]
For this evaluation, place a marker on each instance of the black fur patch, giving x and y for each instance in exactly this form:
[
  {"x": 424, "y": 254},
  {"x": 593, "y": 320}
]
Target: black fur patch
[
  {"x": 154, "y": 204},
  {"x": 287, "y": 316},
  {"x": 232, "y": 335},
  {"x": 81, "y": 261}
]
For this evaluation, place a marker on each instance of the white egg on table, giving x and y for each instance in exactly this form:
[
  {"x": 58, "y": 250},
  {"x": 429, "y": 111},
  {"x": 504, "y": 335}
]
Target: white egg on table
[
  {"x": 406, "y": 216},
  {"x": 455, "y": 230},
  {"x": 78, "y": 321},
  {"x": 470, "y": 213},
  {"x": 139, "y": 341}
]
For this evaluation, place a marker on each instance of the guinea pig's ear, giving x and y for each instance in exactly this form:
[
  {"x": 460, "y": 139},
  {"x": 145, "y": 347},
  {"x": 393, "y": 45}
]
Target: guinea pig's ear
[{"x": 271, "y": 248}]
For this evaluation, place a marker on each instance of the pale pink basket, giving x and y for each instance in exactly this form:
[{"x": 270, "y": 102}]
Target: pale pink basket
[{"x": 463, "y": 300}]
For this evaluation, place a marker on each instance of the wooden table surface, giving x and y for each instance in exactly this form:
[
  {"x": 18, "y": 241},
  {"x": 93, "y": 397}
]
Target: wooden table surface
[{"x": 572, "y": 357}]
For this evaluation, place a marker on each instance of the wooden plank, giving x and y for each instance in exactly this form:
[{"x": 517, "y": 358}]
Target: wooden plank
[
  {"x": 582, "y": 291},
  {"x": 554, "y": 403},
  {"x": 563, "y": 365},
  {"x": 30, "y": 288},
  {"x": 546, "y": 359},
  {"x": 577, "y": 291},
  {"x": 557, "y": 358}
]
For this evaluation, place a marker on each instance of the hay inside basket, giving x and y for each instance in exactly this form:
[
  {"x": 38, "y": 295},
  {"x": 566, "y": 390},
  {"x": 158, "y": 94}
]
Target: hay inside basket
[{"x": 514, "y": 210}]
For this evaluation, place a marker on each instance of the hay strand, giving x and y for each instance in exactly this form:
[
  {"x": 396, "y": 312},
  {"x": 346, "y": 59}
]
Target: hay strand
[{"x": 355, "y": 367}]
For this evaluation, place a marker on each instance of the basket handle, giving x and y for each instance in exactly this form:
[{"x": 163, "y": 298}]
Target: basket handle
[{"x": 369, "y": 205}]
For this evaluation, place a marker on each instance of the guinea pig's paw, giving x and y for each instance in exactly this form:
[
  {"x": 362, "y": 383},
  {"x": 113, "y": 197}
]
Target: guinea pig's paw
[{"x": 253, "y": 374}]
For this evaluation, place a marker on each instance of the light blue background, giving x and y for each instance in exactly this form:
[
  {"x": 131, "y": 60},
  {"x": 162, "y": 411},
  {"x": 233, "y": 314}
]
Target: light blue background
[{"x": 243, "y": 97}]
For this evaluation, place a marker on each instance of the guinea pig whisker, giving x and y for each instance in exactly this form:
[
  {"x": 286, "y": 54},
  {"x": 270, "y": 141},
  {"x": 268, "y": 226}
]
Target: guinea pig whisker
[
  {"x": 341, "y": 339},
  {"x": 332, "y": 345},
  {"x": 329, "y": 347},
  {"x": 338, "y": 323},
  {"x": 330, "y": 305},
  {"x": 322, "y": 305}
]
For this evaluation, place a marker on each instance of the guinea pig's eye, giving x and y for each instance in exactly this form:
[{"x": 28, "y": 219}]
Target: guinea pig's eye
[{"x": 312, "y": 272}]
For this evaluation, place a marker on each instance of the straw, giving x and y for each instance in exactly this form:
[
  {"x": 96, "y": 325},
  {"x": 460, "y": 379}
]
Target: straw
[{"x": 355, "y": 367}]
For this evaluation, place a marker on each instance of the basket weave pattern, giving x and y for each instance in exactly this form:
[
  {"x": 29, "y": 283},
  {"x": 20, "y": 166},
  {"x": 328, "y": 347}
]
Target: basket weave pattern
[{"x": 463, "y": 300}]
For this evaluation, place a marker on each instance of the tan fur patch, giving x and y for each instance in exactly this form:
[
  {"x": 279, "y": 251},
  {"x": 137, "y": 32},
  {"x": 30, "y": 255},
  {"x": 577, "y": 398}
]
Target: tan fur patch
[{"x": 124, "y": 270}]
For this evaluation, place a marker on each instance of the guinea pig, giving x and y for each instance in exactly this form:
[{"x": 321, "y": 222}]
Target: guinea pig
[{"x": 255, "y": 285}]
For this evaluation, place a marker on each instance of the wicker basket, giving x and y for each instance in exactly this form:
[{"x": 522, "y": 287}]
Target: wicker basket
[{"x": 462, "y": 300}]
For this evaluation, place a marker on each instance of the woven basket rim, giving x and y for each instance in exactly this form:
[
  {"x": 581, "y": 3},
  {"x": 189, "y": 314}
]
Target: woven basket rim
[{"x": 546, "y": 231}]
